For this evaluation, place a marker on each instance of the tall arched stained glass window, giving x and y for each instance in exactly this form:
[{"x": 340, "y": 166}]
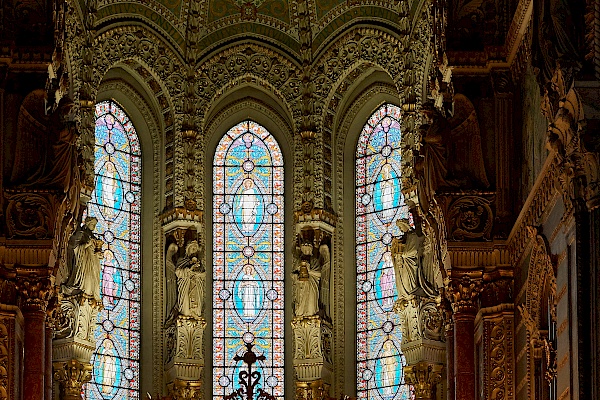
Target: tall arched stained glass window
[
  {"x": 379, "y": 204},
  {"x": 248, "y": 257},
  {"x": 116, "y": 204}
]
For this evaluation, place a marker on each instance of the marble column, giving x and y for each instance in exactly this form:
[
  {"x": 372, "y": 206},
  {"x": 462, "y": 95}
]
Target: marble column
[
  {"x": 34, "y": 288},
  {"x": 34, "y": 375},
  {"x": 48, "y": 365},
  {"x": 464, "y": 291}
]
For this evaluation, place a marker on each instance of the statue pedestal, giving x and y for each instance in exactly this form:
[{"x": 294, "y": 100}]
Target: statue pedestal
[
  {"x": 312, "y": 356},
  {"x": 74, "y": 344},
  {"x": 185, "y": 357}
]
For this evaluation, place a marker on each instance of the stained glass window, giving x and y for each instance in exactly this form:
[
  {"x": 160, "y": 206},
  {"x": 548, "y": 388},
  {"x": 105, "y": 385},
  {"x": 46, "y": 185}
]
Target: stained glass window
[
  {"x": 116, "y": 204},
  {"x": 379, "y": 204},
  {"x": 248, "y": 257}
]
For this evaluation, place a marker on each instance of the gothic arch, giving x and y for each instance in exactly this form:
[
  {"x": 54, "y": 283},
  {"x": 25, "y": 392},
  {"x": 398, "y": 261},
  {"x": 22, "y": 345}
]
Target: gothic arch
[
  {"x": 280, "y": 127},
  {"x": 147, "y": 125},
  {"x": 346, "y": 134}
]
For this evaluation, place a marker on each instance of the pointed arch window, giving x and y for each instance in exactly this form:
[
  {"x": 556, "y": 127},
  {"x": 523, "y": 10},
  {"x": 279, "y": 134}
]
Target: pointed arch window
[
  {"x": 116, "y": 204},
  {"x": 248, "y": 255},
  {"x": 379, "y": 204}
]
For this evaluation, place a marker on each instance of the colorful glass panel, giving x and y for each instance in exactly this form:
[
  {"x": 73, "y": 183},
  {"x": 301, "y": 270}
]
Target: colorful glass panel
[
  {"x": 379, "y": 204},
  {"x": 248, "y": 257},
  {"x": 116, "y": 204}
]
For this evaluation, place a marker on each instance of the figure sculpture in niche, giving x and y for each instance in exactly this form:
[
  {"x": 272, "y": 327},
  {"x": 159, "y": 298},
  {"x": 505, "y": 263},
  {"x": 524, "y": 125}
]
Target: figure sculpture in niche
[
  {"x": 325, "y": 259},
  {"x": 170, "y": 281},
  {"x": 84, "y": 271},
  {"x": 249, "y": 292},
  {"x": 407, "y": 259},
  {"x": 191, "y": 281},
  {"x": 306, "y": 279}
]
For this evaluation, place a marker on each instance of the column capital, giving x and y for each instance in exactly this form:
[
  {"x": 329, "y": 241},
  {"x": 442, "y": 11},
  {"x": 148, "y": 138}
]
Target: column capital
[
  {"x": 71, "y": 375},
  {"x": 185, "y": 390},
  {"x": 36, "y": 288},
  {"x": 424, "y": 377},
  {"x": 463, "y": 293}
]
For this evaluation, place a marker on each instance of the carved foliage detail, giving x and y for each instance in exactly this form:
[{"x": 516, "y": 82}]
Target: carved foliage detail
[
  {"x": 30, "y": 215},
  {"x": 470, "y": 217}
]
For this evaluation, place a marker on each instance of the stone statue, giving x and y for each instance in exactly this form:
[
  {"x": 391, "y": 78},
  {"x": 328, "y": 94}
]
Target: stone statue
[
  {"x": 429, "y": 274},
  {"x": 84, "y": 268},
  {"x": 407, "y": 260},
  {"x": 306, "y": 279},
  {"x": 191, "y": 281},
  {"x": 325, "y": 259},
  {"x": 170, "y": 281}
]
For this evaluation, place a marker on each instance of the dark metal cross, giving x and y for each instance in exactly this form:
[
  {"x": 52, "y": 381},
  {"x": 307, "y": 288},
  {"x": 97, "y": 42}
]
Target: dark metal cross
[{"x": 249, "y": 379}]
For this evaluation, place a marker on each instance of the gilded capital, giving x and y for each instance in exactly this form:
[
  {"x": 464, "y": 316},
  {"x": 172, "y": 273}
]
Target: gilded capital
[
  {"x": 71, "y": 376},
  {"x": 185, "y": 390},
  {"x": 35, "y": 289},
  {"x": 424, "y": 377},
  {"x": 463, "y": 293}
]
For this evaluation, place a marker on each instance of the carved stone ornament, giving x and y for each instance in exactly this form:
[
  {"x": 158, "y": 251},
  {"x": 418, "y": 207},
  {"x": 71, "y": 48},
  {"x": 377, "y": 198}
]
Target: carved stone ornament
[
  {"x": 312, "y": 348},
  {"x": 190, "y": 332},
  {"x": 499, "y": 359},
  {"x": 421, "y": 318},
  {"x": 315, "y": 390},
  {"x": 185, "y": 390},
  {"x": 470, "y": 218},
  {"x": 71, "y": 376},
  {"x": 463, "y": 293},
  {"x": 35, "y": 289},
  {"x": 76, "y": 317},
  {"x": 30, "y": 215},
  {"x": 424, "y": 377}
]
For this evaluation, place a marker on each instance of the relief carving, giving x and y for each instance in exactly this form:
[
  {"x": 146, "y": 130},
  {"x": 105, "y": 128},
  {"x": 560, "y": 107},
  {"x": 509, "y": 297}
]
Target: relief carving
[{"x": 470, "y": 217}]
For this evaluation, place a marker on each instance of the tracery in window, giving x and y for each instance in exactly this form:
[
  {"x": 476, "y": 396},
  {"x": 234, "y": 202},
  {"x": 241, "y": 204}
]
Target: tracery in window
[
  {"x": 379, "y": 205},
  {"x": 248, "y": 257},
  {"x": 115, "y": 203}
]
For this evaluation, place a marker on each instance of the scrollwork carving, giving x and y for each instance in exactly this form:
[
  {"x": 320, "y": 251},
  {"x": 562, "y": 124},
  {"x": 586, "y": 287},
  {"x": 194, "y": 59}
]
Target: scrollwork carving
[
  {"x": 470, "y": 217},
  {"x": 30, "y": 215}
]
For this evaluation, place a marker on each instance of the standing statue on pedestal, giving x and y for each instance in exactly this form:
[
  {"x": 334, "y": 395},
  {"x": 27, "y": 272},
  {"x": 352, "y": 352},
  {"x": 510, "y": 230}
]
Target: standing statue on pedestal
[
  {"x": 84, "y": 268},
  {"x": 325, "y": 259},
  {"x": 170, "y": 282},
  {"x": 407, "y": 260},
  {"x": 306, "y": 279},
  {"x": 191, "y": 281}
]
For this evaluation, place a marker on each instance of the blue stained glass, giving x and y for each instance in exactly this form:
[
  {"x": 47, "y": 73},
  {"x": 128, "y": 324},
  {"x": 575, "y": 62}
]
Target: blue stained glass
[
  {"x": 379, "y": 204},
  {"x": 247, "y": 257},
  {"x": 115, "y": 203}
]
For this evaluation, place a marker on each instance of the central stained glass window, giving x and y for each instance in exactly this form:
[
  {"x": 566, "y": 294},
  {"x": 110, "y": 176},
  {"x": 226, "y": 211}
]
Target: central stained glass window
[
  {"x": 379, "y": 205},
  {"x": 115, "y": 204},
  {"x": 248, "y": 257}
]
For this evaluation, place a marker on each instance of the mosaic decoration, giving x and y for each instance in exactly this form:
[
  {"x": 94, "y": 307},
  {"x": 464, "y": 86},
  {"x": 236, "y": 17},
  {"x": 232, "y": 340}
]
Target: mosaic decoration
[
  {"x": 116, "y": 204},
  {"x": 248, "y": 257},
  {"x": 379, "y": 204}
]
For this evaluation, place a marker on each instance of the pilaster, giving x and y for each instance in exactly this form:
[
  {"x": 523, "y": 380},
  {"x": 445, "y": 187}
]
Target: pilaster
[
  {"x": 311, "y": 324},
  {"x": 182, "y": 302}
]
